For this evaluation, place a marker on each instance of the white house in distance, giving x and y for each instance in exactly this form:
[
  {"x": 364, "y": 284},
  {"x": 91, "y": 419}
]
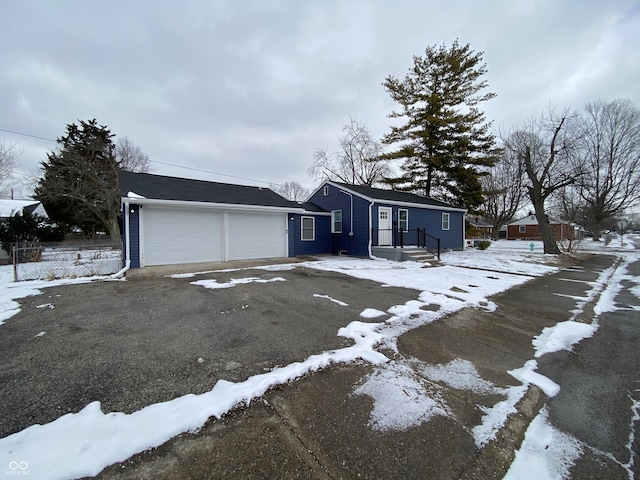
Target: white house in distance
[{"x": 9, "y": 207}]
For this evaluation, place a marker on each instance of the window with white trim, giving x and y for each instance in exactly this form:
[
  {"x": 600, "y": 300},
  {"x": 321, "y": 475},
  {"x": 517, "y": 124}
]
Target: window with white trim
[
  {"x": 403, "y": 220},
  {"x": 522, "y": 229},
  {"x": 445, "y": 221},
  {"x": 308, "y": 229},
  {"x": 325, "y": 190},
  {"x": 336, "y": 221}
]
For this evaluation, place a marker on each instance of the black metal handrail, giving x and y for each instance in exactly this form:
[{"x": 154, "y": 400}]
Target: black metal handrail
[
  {"x": 424, "y": 236},
  {"x": 417, "y": 236}
]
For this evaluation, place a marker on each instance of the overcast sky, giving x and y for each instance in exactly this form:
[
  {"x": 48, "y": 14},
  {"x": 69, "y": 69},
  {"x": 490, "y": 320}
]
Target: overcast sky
[{"x": 251, "y": 88}]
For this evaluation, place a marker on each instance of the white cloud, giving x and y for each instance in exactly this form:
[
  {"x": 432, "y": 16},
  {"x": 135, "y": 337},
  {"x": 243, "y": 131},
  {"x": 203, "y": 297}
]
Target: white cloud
[{"x": 283, "y": 77}]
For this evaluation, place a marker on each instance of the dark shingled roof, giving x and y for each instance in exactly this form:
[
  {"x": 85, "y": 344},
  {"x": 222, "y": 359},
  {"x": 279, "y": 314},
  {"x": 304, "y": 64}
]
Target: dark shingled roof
[
  {"x": 394, "y": 195},
  {"x": 159, "y": 187}
]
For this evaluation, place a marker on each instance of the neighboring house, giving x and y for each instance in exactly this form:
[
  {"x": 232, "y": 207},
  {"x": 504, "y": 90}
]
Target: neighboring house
[
  {"x": 9, "y": 207},
  {"x": 363, "y": 218},
  {"x": 169, "y": 220},
  {"x": 527, "y": 229},
  {"x": 482, "y": 228}
]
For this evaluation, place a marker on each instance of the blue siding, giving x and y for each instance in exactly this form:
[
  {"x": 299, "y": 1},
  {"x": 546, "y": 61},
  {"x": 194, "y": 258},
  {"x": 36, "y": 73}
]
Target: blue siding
[
  {"x": 322, "y": 242},
  {"x": 134, "y": 235},
  {"x": 431, "y": 221},
  {"x": 358, "y": 243}
]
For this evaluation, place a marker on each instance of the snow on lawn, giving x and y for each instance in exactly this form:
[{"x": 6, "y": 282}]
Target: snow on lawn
[
  {"x": 84, "y": 443},
  {"x": 11, "y": 290}
]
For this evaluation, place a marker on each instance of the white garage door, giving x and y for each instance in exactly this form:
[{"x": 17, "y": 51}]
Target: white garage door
[
  {"x": 177, "y": 235},
  {"x": 256, "y": 235},
  {"x": 190, "y": 235}
]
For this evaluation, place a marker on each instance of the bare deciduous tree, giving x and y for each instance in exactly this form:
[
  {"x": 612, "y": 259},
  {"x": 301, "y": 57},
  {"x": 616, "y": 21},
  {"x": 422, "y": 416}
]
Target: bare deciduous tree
[
  {"x": 504, "y": 190},
  {"x": 131, "y": 157},
  {"x": 9, "y": 153},
  {"x": 610, "y": 155},
  {"x": 291, "y": 191},
  {"x": 546, "y": 148},
  {"x": 355, "y": 161}
]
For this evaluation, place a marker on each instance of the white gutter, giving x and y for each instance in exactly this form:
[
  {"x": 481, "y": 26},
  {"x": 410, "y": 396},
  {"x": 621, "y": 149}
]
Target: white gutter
[
  {"x": 127, "y": 263},
  {"x": 351, "y": 218},
  {"x": 224, "y": 206},
  {"x": 371, "y": 202}
]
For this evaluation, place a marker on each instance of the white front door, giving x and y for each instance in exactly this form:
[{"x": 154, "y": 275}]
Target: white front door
[{"x": 384, "y": 226}]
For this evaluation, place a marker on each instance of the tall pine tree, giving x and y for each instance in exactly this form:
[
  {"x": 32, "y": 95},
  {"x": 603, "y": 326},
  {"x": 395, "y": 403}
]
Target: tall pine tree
[
  {"x": 445, "y": 140},
  {"x": 80, "y": 181}
]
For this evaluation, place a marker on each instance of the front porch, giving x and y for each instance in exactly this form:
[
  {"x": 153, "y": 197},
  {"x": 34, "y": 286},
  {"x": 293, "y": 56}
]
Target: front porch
[
  {"x": 406, "y": 253},
  {"x": 399, "y": 246}
]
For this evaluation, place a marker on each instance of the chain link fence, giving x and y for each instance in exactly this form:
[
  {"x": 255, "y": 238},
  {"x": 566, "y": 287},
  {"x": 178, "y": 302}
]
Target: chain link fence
[{"x": 40, "y": 261}]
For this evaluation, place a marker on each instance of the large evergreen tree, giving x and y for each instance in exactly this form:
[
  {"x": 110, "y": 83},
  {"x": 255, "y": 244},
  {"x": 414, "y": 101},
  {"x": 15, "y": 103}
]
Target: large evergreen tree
[
  {"x": 79, "y": 185},
  {"x": 445, "y": 140}
]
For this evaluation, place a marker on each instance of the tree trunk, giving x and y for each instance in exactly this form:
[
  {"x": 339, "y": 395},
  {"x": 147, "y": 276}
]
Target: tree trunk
[
  {"x": 548, "y": 238},
  {"x": 114, "y": 230},
  {"x": 537, "y": 198}
]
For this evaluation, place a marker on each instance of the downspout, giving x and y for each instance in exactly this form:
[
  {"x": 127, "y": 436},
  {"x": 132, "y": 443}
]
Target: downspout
[
  {"x": 350, "y": 218},
  {"x": 370, "y": 229},
  {"x": 127, "y": 262}
]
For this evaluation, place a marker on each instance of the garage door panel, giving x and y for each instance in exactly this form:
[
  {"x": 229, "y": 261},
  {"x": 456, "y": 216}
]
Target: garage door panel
[
  {"x": 174, "y": 235},
  {"x": 256, "y": 235}
]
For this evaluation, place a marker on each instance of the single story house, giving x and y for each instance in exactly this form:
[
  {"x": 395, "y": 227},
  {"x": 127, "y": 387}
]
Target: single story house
[
  {"x": 527, "y": 229},
  {"x": 9, "y": 207},
  {"x": 169, "y": 220},
  {"x": 481, "y": 228},
  {"x": 365, "y": 220}
]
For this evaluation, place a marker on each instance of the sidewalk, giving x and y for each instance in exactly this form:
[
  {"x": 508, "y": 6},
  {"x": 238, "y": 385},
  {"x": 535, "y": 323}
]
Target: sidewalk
[{"x": 319, "y": 427}]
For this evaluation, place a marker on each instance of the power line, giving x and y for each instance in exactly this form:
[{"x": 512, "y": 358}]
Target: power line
[
  {"x": 27, "y": 135},
  {"x": 210, "y": 172},
  {"x": 152, "y": 161}
]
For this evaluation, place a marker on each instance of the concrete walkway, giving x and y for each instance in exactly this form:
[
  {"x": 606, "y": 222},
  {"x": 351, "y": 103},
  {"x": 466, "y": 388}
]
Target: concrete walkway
[
  {"x": 318, "y": 428},
  {"x": 167, "y": 270}
]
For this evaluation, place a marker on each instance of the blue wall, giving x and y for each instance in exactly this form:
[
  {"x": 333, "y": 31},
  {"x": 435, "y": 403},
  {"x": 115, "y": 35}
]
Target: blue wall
[
  {"x": 358, "y": 243},
  {"x": 431, "y": 221},
  {"x": 134, "y": 235},
  {"x": 322, "y": 242}
]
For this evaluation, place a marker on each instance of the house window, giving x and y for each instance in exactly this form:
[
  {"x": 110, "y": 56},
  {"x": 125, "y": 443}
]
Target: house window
[
  {"x": 325, "y": 190},
  {"x": 445, "y": 221},
  {"x": 308, "y": 229},
  {"x": 336, "y": 221},
  {"x": 522, "y": 229},
  {"x": 403, "y": 220}
]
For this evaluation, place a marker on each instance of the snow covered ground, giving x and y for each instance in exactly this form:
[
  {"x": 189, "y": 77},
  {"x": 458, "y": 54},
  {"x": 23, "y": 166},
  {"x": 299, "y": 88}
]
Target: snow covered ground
[
  {"x": 63, "y": 262},
  {"x": 83, "y": 443}
]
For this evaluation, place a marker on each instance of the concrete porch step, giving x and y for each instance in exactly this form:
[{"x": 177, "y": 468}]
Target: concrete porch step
[{"x": 421, "y": 256}]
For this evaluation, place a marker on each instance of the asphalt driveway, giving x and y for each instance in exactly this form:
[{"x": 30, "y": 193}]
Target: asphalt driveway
[{"x": 133, "y": 343}]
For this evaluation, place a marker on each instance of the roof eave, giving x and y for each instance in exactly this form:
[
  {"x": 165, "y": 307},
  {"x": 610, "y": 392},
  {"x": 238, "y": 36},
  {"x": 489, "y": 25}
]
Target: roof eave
[
  {"x": 212, "y": 205},
  {"x": 395, "y": 202}
]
